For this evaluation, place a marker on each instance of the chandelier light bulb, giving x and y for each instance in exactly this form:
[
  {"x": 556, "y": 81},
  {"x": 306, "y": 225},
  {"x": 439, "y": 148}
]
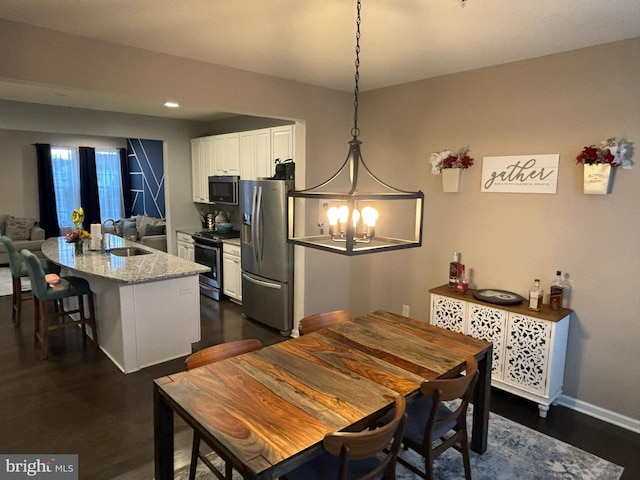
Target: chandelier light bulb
[
  {"x": 369, "y": 216},
  {"x": 334, "y": 215},
  {"x": 356, "y": 217},
  {"x": 344, "y": 214}
]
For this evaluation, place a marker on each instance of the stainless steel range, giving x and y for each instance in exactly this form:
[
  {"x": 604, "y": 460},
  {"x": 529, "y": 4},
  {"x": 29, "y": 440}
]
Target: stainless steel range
[{"x": 208, "y": 252}]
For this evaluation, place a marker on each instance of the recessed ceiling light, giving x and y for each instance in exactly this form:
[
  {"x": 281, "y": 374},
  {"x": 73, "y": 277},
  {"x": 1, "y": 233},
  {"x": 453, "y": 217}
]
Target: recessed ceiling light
[{"x": 171, "y": 104}]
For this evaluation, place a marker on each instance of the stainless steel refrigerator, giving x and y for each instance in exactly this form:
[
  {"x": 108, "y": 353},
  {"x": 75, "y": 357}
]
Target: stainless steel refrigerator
[{"x": 267, "y": 257}]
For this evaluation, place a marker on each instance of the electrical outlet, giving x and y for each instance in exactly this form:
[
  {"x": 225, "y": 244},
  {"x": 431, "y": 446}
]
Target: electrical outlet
[{"x": 405, "y": 310}]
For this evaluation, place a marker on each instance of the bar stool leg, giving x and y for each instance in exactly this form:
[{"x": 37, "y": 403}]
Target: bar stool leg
[
  {"x": 44, "y": 344},
  {"x": 83, "y": 320},
  {"x": 36, "y": 322},
  {"x": 92, "y": 321},
  {"x": 16, "y": 310}
]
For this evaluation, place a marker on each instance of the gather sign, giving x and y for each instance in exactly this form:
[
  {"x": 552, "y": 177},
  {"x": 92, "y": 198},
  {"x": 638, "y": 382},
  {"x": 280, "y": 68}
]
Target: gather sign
[{"x": 520, "y": 174}]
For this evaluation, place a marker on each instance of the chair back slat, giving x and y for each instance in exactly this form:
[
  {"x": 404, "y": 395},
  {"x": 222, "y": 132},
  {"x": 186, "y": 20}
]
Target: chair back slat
[
  {"x": 314, "y": 322},
  {"x": 222, "y": 351},
  {"x": 368, "y": 443}
]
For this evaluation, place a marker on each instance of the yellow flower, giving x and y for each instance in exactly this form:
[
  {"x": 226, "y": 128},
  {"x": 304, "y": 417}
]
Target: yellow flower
[{"x": 77, "y": 217}]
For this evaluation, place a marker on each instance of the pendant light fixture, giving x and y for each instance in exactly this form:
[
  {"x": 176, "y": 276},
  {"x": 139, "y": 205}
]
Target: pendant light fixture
[{"x": 368, "y": 216}]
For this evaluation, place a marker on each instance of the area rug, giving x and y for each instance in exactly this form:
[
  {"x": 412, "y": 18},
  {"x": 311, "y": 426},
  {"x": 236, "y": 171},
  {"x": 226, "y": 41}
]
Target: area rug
[
  {"x": 6, "y": 284},
  {"x": 513, "y": 452}
]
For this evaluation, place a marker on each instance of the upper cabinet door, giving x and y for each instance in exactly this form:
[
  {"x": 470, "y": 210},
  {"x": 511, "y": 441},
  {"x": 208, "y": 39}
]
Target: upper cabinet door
[
  {"x": 226, "y": 154},
  {"x": 282, "y": 144}
]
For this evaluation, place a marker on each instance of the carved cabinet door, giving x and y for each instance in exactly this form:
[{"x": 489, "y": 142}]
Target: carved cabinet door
[
  {"x": 489, "y": 324},
  {"x": 449, "y": 313},
  {"x": 527, "y": 353}
]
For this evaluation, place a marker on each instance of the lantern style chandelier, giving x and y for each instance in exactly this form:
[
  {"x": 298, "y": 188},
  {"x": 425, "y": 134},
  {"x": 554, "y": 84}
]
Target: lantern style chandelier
[{"x": 368, "y": 216}]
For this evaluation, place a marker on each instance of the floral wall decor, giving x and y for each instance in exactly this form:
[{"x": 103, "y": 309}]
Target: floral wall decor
[
  {"x": 451, "y": 165},
  {"x": 598, "y": 161}
]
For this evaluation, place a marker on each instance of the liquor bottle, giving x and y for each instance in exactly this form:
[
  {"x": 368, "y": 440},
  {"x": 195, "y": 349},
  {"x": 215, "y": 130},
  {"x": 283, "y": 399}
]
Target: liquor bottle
[
  {"x": 454, "y": 269},
  {"x": 535, "y": 296},
  {"x": 462, "y": 282},
  {"x": 557, "y": 290}
]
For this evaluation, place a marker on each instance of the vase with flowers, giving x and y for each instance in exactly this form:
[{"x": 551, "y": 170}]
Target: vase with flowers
[
  {"x": 599, "y": 162},
  {"x": 450, "y": 165},
  {"x": 79, "y": 235}
]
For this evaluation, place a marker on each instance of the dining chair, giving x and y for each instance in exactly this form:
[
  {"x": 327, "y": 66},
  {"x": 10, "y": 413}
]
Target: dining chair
[
  {"x": 433, "y": 427},
  {"x": 43, "y": 294},
  {"x": 360, "y": 455},
  {"x": 314, "y": 322},
  {"x": 18, "y": 269},
  {"x": 203, "y": 357}
]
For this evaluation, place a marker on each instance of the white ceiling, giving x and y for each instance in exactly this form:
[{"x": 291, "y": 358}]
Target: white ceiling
[{"x": 313, "y": 41}]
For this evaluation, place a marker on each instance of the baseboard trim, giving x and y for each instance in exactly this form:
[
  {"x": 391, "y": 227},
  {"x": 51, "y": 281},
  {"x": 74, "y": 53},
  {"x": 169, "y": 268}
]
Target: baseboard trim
[{"x": 600, "y": 413}]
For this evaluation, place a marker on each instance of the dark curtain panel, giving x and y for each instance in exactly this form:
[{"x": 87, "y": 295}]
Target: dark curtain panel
[
  {"x": 126, "y": 182},
  {"x": 89, "y": 198},
  {"x": 46, "y": 191}
]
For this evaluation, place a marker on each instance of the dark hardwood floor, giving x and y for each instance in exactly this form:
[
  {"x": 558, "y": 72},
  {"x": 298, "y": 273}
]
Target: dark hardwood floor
[{"x": 77, "y": 401}]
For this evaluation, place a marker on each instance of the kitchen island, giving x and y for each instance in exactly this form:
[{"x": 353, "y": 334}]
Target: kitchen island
[{"x": 147, "y": 305}]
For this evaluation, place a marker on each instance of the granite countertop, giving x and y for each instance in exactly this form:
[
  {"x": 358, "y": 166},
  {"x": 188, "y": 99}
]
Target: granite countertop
[{"x": 154, "y": 266}]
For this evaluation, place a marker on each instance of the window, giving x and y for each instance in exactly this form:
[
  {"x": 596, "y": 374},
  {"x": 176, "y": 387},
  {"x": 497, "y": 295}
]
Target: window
[
  {"x": 109, "y": 184},
  {"x": 66, "y": 182}
]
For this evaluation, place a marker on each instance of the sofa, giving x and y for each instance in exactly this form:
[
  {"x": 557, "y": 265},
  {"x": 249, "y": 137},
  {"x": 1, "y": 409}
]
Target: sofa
[
  {"x": 149, "y": 231},
  {"x": 25, "y": 233}
]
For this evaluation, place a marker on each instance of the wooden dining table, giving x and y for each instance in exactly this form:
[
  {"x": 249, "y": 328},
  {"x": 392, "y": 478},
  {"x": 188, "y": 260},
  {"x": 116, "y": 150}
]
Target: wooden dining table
[{"x": 268, "y": 410}]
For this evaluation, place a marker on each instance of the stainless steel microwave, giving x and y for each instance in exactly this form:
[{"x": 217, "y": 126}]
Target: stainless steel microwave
[{"x": 224, "y": 189}]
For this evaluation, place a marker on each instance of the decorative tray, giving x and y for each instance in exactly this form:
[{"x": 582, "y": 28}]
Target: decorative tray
[{"x": 498, "y": 297}]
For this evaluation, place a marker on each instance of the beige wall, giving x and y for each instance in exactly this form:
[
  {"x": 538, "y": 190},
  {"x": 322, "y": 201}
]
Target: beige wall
[
  {"x": 550, "y": 105},
  {"x": 555, "y": 104}
]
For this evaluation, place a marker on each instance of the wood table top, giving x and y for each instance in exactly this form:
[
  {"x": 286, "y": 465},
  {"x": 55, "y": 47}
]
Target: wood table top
[{"x": 272, "y": 404}]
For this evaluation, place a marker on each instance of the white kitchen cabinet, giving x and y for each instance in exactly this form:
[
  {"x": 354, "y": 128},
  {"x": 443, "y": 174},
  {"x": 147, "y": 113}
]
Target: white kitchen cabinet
[
  {"x": 202, "y": 166},
  {"x": 282, "y": 143},
  {"x": 185, "y": 246},
  {"x": 529, "y": 348},
  {"x": 226, "y": 154},
  {"x": 260, "y": 148},
  {"x": 255, "y": 154},
  {"x": 231, "y": 272}
]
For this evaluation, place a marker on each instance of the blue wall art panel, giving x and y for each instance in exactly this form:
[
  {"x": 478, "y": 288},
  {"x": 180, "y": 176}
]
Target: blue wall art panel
[{"x": 146, "y": 169}]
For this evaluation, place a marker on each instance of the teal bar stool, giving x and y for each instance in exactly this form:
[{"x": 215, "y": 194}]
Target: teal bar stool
[
  {"x": 18, "y": 271},
  {"x": 43, "y": 294}
]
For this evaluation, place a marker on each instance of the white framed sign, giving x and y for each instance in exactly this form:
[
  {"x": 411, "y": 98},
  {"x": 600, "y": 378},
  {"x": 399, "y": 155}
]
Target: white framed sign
[{"x": 520, "y": 174}]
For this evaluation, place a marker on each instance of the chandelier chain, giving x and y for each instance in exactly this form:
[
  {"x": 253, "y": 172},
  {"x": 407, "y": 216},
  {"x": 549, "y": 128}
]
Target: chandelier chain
[{"x": 356, "y": 131}]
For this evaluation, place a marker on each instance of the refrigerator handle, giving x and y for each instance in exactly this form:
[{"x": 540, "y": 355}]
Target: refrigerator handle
[
  {"x": 254, "y": 223},
  {"x": 262, "y": 283},
  {"x": 258, "y": 227}
]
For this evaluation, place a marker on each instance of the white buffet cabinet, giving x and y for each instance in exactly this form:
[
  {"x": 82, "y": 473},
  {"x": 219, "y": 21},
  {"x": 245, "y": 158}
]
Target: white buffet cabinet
[
  {"x": 250, "y": 154},
  {"x": 529, "y": 348}
]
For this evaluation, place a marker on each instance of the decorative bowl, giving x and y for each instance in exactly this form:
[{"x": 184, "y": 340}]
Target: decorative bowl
[{"x": 223, "y": 227}]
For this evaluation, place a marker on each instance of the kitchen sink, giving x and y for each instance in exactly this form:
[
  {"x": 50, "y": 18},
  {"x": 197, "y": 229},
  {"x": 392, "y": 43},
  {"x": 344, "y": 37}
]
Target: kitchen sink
[{"x": 128, "y": 251}]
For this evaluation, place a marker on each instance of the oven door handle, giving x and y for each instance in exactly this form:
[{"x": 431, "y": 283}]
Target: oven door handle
[{"x": 205, "y": 247}]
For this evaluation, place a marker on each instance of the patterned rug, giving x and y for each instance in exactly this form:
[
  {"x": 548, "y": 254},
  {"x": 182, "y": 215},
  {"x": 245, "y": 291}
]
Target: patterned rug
[
  {"x": 514, "y": 452},
  {"x": 6, "y": 284}
]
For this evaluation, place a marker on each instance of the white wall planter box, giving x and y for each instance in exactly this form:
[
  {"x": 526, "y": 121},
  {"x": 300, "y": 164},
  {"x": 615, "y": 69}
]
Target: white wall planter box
[{"x": 529, "y": 348}]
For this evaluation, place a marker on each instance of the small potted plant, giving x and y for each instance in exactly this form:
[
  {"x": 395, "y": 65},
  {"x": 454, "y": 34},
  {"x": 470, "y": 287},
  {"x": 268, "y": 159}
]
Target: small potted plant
[
  {"x": 451, "y": 165},
  {"x": 598, "y": 162}
]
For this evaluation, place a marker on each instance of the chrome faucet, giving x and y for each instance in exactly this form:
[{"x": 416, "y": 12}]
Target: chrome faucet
[{"x": 104, "y": 235}]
